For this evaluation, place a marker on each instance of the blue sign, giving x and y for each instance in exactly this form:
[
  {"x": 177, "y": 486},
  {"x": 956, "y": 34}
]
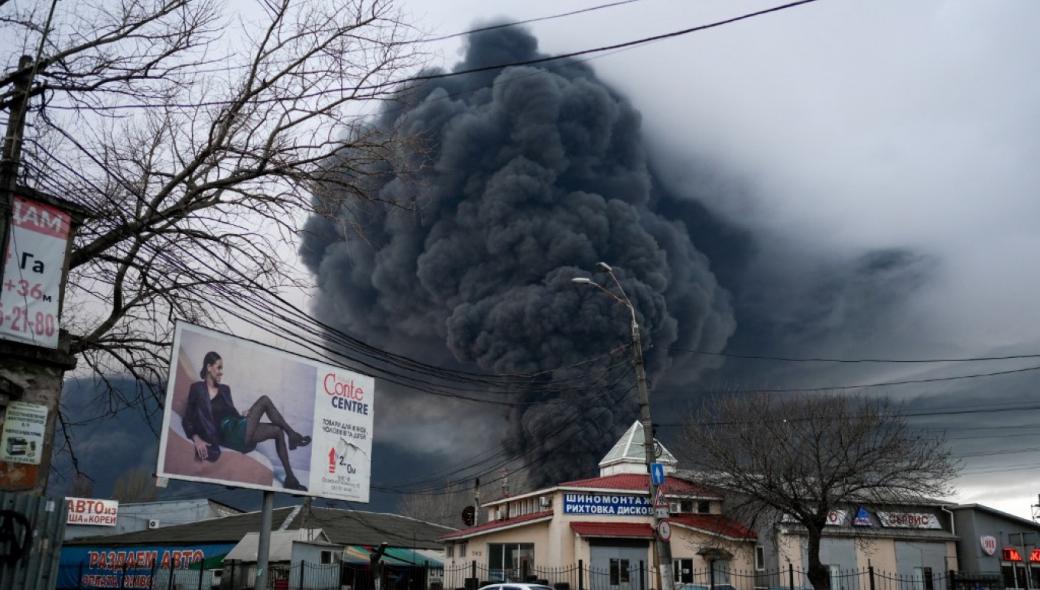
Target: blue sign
[
  {"x": 657, "y": 473},
  {"x": 134, "y": 566},
  {"x": 862, "y": 518},
  {"x": 606, "y": 505}
]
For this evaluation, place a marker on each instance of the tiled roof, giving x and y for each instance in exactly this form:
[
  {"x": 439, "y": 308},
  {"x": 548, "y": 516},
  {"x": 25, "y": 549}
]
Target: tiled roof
[
  {"x": 347, "y": 527},
  {"x": 714, "y": 523},
  {"x": 631, "y": 530},
  {"x": 640, "y": 482},
  {"x": 498, "y": 524}
]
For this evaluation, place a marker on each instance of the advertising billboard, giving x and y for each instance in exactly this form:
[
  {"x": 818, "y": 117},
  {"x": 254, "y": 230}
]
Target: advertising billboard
[
  {"x": 139, "y": 566},
  {"x": 242, "y": 414},
  {"x": 31, "y": 290},
  {"x": 92, "y": 512}
]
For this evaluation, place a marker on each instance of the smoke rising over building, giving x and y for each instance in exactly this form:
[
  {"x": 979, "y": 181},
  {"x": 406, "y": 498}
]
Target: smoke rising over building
[{"x": 521, "y": 179}]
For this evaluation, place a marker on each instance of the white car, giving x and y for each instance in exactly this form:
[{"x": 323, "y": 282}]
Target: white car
[{"x": 516, "y": 586}]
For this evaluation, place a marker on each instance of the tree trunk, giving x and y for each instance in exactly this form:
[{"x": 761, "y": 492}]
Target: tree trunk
[{"x": 819, "y": 574}]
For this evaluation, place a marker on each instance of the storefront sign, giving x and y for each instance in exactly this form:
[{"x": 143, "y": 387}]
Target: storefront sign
[
  {"x": 862, "y": 518},
  {"x": 136, "y": 566},
  {"x": 22, "y": 437},
  {"x": 92, "y": 512},
  {"x": 909, "y": 520},
  {"x": 989, "y": 544},
  {"x": 834, "y": 518},
  {"x": 31, "y": 288},
  {"x": 606, "y": 504}
]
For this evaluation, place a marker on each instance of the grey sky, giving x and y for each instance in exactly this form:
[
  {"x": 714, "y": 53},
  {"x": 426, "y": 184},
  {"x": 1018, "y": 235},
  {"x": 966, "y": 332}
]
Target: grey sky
[{"x": 837, "y": 129}]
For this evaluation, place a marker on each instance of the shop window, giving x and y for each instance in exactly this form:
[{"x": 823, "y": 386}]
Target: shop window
[
  {"x": 686, "y": 506},
  {"x": 1034, "y": 575},
  {"x": 1014, "y": 574},
  {"x": 760, "y": 557},
  {"x": 683, "y": 571},
  {"x": 703, "y": 506},
  {"x": 510, "y": 561}
]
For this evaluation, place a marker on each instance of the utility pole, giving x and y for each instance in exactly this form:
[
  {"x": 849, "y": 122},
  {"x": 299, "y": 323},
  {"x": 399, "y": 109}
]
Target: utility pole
[
  {"x": 33, "y": 360},
  {"x": 662, "y": 546},
  {"x": 13, "y": 149}
]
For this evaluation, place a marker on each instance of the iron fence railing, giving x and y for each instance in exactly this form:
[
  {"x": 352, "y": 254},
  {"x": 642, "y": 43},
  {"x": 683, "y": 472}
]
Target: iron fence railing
[{"x": 472, "y": 576}]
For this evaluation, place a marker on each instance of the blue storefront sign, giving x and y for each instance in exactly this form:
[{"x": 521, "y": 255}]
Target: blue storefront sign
[
  {"x": 134, "y": 566},
  {"x": 606, "y": 504}
]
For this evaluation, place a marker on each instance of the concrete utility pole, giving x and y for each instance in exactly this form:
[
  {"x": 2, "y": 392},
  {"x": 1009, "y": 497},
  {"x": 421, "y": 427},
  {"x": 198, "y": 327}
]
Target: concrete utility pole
[
  {"x": 662, "y": 546},
  {"x": 30, "y": 373}
]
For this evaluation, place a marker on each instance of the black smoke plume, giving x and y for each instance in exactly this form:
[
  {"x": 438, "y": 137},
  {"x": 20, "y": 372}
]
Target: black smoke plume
[{"x": 520, "y": 179}]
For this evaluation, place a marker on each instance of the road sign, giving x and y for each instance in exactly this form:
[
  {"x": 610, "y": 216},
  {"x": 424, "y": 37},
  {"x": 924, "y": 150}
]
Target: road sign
[
  {"x": 664, "y": 530},
  {"x": 661, "y": 512},
  {"x": 657, "y": 473}
]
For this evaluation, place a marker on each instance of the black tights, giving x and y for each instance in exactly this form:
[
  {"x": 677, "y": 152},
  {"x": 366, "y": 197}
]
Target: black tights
[{"x": 276, "y": 430}]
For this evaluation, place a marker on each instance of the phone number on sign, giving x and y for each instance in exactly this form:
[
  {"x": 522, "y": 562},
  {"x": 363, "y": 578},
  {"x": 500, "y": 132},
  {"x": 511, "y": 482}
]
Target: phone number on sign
[{"x": 20, "y": 319}]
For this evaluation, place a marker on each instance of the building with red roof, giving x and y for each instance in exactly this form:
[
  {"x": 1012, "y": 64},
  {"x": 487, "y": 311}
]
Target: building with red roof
[{"x": 601, "y": 524}]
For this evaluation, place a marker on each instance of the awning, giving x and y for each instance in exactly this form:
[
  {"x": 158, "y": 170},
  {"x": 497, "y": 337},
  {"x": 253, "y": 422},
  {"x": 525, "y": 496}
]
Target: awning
[
  {"x": 281, "y": 544},
  {"x": 399, "y": 556},
  {"x": 626, "y": 530}
]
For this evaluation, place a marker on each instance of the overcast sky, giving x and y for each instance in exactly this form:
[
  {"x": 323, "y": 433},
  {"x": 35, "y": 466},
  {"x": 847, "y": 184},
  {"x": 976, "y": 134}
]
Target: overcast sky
[
  {"x": 840, "y": 129},
  {"x": 880, "y": 158}
]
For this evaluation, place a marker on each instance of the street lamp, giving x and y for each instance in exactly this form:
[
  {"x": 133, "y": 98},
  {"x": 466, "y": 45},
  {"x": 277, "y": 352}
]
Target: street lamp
[{"x": 663, "y": 548}]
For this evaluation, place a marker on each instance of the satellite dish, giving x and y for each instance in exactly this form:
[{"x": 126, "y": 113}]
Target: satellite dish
[{"x": 469, "y": 516}]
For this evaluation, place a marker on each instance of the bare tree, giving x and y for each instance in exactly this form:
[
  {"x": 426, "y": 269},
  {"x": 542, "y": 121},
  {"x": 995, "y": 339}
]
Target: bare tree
[
  {"x": 135, "y": 485},
  {"x": 194, "y": 139},
  {"x": 799, "y": 457},
  {"x": 442, "y": 506},
  {"x": 82, "y": 486}
]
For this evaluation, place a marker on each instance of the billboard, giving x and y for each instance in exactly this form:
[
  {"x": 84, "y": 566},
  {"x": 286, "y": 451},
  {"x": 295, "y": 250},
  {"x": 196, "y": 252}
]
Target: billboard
[
  {"x": 92, "y": 512},
  {"x": 139, "y": 566},
  {"x": 31, "y": 290},
  {"x": 242, "y": 414}
]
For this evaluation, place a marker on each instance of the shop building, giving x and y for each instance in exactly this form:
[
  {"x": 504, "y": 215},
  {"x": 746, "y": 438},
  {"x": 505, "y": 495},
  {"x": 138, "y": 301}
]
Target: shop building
[
  {"x": 604, "y": 525},
  {"x": 308, "y": 544},
  {"x": 140, "y": 516},
  {"x": 912, "y": 542},
  {"x": 995, "y": 542}
]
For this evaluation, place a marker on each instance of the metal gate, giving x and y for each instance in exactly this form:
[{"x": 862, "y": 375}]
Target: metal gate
[{"x": 31, "y": 531}]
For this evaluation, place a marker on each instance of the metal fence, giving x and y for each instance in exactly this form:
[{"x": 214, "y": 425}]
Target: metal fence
[
  {"x": 641, "y": 576},
  {"x": 242, "y": 576}
]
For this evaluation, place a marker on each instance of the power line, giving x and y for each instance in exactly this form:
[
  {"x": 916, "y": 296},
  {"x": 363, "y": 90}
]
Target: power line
[
  {"x": 527, "y": 21},
  {"x": 791, "y": 359}
]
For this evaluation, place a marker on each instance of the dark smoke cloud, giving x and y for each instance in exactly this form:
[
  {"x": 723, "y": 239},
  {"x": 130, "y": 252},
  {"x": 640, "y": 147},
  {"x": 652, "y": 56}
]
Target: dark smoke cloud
[{"x": 521, "y": 179}]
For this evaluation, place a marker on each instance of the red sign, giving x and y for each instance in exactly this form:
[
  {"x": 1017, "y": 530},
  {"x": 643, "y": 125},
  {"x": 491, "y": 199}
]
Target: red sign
[
  {"x": 1034, "y": 555},
  {"x": 1011, "y": 554},
  {"x": 88, "y": 511}
]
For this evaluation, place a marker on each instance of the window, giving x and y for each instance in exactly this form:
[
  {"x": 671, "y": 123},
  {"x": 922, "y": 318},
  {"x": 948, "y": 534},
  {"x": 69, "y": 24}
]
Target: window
[
  {"x": 462, "y": 549},
  {"x": 510, "y": 561},
  {"x": 449, "y": 550},
  {"x": 704, "y": 506},
  {"x": 760, "y": 558},
  {"x": 620, "y": 572},
  {"x": 326, "y": 558},
  {"x": 683, "y": 571},
  {"x": 686, "y": 506},
  {"x": 1014, "y": 574}
]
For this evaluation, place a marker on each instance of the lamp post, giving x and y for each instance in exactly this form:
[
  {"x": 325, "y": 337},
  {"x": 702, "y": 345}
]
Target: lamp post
[{"x": 663, "y": 548}]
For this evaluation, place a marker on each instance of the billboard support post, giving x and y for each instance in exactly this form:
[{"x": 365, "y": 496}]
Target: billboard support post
[{"x": 263, "y": 545}]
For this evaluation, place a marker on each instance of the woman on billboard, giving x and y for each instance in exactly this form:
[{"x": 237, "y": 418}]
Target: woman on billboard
[{"x": 212, "y": 421}]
